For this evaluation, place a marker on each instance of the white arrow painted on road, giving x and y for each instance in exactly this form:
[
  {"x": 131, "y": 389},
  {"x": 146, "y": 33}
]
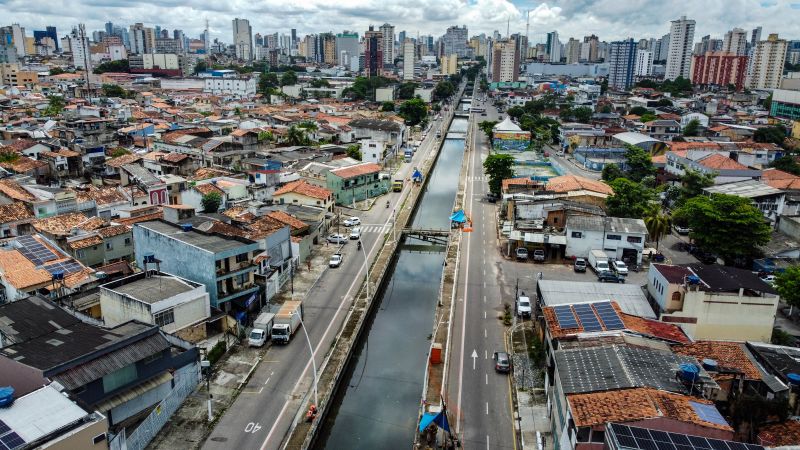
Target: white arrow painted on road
[{"x": 474, "y": 358}]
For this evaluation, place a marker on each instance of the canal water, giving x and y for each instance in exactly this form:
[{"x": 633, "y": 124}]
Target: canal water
[{"x": 377, "y": 404}]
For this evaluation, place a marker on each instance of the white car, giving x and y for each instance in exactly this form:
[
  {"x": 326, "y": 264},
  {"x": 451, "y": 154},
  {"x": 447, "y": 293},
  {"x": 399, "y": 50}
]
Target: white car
[
  {"x": 524, "y": 307},
  {"x": 355, "y": 233},
  {"x": 351, "y": 222},
  {"x": 620, "y": 268},
  {"x": 337, "y": 239},
  {"x": 336, "y": 260},
  {"x": 769, "y": 279}
]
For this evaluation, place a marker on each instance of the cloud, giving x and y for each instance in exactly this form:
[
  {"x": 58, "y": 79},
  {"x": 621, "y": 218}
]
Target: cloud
[{"x": 609, "y": 19}]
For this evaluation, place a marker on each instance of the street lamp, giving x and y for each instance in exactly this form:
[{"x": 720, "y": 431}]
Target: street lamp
[
  {"x": 313, "y": 362},
  {"x": 366, "y": 264}
]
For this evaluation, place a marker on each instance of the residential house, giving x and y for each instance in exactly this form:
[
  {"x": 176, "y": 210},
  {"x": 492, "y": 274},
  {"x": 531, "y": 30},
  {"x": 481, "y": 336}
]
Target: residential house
[
  {"x": 709, "y": 162},
  {"x": 769, "y": 200},
  {"x": 230, "y": 190},
  {"x": 700, "y": 117},
  {"x": 108, "y": 201},
  {"x": 619, "y": 238},
  {"x": 620, "y": 437},
  {"x": 579, "y": 189},
  {"x": 154, "y": 189},
  {"x": 391, "y": 133},
  {"x": 15, "y": 219},
  {"x": 663, "y": 130},
  {"x": 303, "y": 193},
  {"x": 357, "y": 183},
  {"x": 63, "y": 163}
]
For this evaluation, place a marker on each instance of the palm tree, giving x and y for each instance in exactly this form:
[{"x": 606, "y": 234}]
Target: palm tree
[
  {"x": 296, "y": 136},
  {"x": 657, "y": 225}
]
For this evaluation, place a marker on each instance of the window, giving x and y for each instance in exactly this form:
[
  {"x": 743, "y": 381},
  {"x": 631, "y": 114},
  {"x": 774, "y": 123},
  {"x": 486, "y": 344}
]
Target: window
[
  {"x": 242, "y": 257},
  {"x": 164, "y": 318},
  {"x": 598, "y": 436},
  {"x": 119, "y": 378},
  {"x": 634, "y": 239},
  {"x": 242, "y": 279},
  {"x": 577, "y": 234},
  {"x": 127, "y": 242},
  {"x": 614, "y": 237},
  {"x": 583, "y": 434},
  {"x": 109, "y": 246},
  {"x": 80, "y": 254},
  {"x": 555, "y": 220}
]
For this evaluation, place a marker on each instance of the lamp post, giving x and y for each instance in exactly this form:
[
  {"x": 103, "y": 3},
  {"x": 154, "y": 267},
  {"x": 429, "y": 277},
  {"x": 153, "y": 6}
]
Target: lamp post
[
  {"x": 366, "y": 264},
  {"x": 313, "y": 362}
]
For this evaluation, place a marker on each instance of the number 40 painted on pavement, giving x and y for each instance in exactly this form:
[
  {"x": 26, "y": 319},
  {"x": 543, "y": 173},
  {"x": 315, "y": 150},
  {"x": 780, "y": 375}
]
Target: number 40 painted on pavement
[{"x": 252, "y": 427}]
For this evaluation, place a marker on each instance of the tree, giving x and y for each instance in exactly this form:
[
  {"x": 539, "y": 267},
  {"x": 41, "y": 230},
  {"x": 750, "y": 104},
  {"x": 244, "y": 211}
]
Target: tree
[
  {"x": 444, "y": 89},
  {"x": 55, "y": 104},
  {"x": 516, "y": 111},
  {"x": 638, "y": 110},
  {"x": 119, "y": 151},
  {"x": 774, "y": 134},
  {"x": 657, "y": 224},
  {"x": 267, "y": 83},
  {"x": 413, "y": 111},
  {"x": 364, "y": 88},
  {"x": 387, "y": 107},
  {"x": 692, "y": 128},
  {"x": 639, "y": 163},
  {"x": 768, "y": 103},
  {"x": 605, "y": 109},
  {"x": 56, "y": 71},
  {"x": 611, "y": 172},
  {"x": 296, "y": 136},
  {"x": 498, "y": 167},
  {"x": 787, "y": 284},
  {"x": 664, "y": 102},
  {"x": 288, "y": 78},
  {"x": 729, "y": 226},
  {"x": 354, "y": 151},
  {"x": 211, "y": 202},
  {"x": 265, "y": 136},
  {"x": 114, "y": 90},
  {"x": 320, "y": 83},
  {"x": 406, "y": 90},
  {"x": 630, "y": 199},
  {"x": 201, "y": 66},
  {"x": 693, "y": 182},
  {"x": 583, "y": 114},
  {"x": 604, "y": 86},
  {"x": 487, "y": 126},
  {"x": 112, "y": 66},
  {"x": 787, "y": 164},
  {"x": 648, "y": 117}
]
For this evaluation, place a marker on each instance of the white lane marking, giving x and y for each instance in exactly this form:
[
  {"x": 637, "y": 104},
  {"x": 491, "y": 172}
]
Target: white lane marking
[
  {"x": 484, "y": 314},
  {"x": 487, "y": 442},
  {"x": 484, "y": 299},
  {"x": 486, "y": 354},
  {"x": 487, "y": 408},
  {"x": 485, "y": 334},
  {"x": 487, "y": 378},
  {"x": 267, "y": 380}
]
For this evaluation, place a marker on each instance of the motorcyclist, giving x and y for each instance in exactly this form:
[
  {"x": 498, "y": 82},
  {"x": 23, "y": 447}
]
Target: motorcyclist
[{"x": 359, "y": 244}]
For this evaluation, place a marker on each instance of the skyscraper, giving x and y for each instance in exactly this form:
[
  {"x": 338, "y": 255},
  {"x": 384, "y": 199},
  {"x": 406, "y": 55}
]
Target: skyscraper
[
  {"x": 505, "y": 61},
  {"x": 644, "y": 63},
  {"x": 553, "y": 47},
  {"x": 18, "y": 33},
  {"x": 454, "y": 41},
  {"x": 243, "y": 39},
  {"x": 679, "y": 58},
  {"x": 142, "y": 39},
  {"x": 109, "y": 28},
  {"x": 573, "y": 51},
  {"x": 767, "y": 63},
  {"x": 387, "y": 32},
  {"x": 663, "y": 49},
  {"x": 621, "y": 64},
  {"x": 735, "y": 42},
  {"x": 347, "y": 48},
  {"x": 8, "y": 53},
  {"x": 373, "y": 52},
  {"x": 591, "y": 52},
  {"x": 409, "y": 54},
  {"x": 294, "y": 37},
  {"x": 79, "y": 45}
]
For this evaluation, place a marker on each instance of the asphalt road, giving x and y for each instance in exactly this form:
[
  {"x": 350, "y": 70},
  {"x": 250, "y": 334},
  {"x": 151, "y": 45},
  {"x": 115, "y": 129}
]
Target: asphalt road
[
  {"x": 479, "y": 396},
  {"x": 262, "y": 415}
]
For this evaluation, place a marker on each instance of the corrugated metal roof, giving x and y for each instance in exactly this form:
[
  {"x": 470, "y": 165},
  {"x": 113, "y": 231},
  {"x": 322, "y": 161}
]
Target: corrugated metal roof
[
  {"x": 134, "y": 392},
  {"x": 100, "y": 367}
]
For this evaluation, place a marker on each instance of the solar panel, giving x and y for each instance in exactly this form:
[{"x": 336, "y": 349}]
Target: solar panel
[
  {"x": 67, "y": 267},
  {"x": 588, "y": 318},
  {"x": 646, "y": 444},
  {"x": 664, "y": 445},
  {"x": 627, "y": 441},
  {"x": 646, "y": 439},
  {"x": 679, "y": 439},
  {"x": 608, "y": 315},
  {"x": 565, "y": 317},
  {"x": 621, "y": 430},
  {"x": 709, "y": 413},
  {"x": 4, "y": 428},
  {"x": 716, "y": 444},
  {"x": 32, "y": 249},
  {"x": 12, "y": 440},
  {"x": 659, "y": 436},
  {"x": 736, "y": 446},
  {"x": 698, "y": 442},
  {"x": 640, "y": 433}
]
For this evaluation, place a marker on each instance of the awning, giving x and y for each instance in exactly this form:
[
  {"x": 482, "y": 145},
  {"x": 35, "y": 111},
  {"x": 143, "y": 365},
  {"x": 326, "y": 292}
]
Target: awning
[
  {"x": 134, "y": 392},
  {"x": 439, "y": 418},
  {"x": 459, "y": 216},
  {"x": 539, "y": 238}
]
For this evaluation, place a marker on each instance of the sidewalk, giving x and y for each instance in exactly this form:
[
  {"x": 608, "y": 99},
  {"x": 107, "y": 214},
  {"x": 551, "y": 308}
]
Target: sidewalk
[{"x": 529, "y": 392}]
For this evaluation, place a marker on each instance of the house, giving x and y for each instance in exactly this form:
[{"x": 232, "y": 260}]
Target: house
[
  {"x": 579, "y": 189},
  {"x": 15, "y": 219},
  {"x": 391, "y": 133},
  {"x": 177, "y": 305},
  {"x": 231, "y": 191},
  {"x": 151, "y": 185},
  {"x": 357, "y": 183},
  {"x": 769, "y": 200},
  {"x": 663, "y": 130},
  {"x": 619, "y": 238},
  {"x": 700, "y": 117},
  {"x": 119, "y": 371},
  {"x": 222, "y": 263},
  {"x": 726, "y": 169},
  {"x": 305, "y": 194},
  {"x": 714, "y": 302},
  {"x": 629, "y": 299},
  {"x": 620, "y": 437}
]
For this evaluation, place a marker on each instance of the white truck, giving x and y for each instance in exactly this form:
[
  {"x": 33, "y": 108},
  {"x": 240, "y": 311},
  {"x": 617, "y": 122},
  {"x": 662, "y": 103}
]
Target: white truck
[
  {"x": 262, "y": 330},
  {"x": 287, "y": 321},
  {"x": 598, "y": 261}
]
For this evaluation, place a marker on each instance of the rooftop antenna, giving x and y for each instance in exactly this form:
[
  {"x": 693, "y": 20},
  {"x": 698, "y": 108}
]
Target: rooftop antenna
[
  {"x": 508, "y": 27},
  {"x": 528, "y": 29}
]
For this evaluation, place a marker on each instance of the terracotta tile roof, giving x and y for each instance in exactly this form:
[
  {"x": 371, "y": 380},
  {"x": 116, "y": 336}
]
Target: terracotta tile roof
[
  {"x": 113, "y": 230},
  {"x": 784, "y": 434},
  {"x": 207, "y": 188},
  {"x": 14, "y": 212},
  {"x": 20, "y": 272},
  {"x": 102, "y": 195},
  {"x": 567, "y": 183},
  {"x": 120, "y": 161},
  {"x": 717, "y": 161},
  {"x": 283, "y": 217},
  {"x": 263, "y": 228},
  {"x": 626, "y": 405},
  {"x": 780, "y": 179},
  {"x": 676, "y": 146},
  {"x": 174, "y": 157},
  {"x": 660, "y": 159},
  {"x": 18, "y": 146},
  {"x": 304, "y": 188},
  {"x": 718, "y": 128},
  {"x": 206, "y": 173},
  {"x": 673, "y": 274},
  {"x": 654, "y": 328},
  {"x": 85, "y": 242},
  {"x": 228, "y": 230},
  {"x": 23, "y": 164},
  {"x": 14, "y": 191},
  {"x": 239, "y": 213},
  {"x": 525, "y": 182},
  {"x": 142, "y": 218},
  {"x": 356, "y": 170},
  {"x": 64, "y": 223},
  {"x": 729, "y": 355}
]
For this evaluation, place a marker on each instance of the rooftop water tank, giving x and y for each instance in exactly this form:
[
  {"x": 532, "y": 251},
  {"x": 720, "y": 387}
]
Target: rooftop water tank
[
  {"x": 186, "y": 227},
  {"x": 794, "y": 378},
  {"x": 6, "y": 396},
  {"x": 58, "y": 275},
  {"x": 689, "y": 372},
  {"x": 693, "y": 279},
  {"x": 710, "y": 365},
  {"x": 149, "y": 257}
]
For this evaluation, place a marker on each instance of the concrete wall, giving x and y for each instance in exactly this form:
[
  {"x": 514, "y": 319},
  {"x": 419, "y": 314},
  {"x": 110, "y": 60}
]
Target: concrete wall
[
  {"x": 90, "y": 256},
  {"x": 82, "y": 438},
  {"x": 790, "y": 226},
  {"x": 23, "y": 378},
  {"x": 119, "y": 250}
]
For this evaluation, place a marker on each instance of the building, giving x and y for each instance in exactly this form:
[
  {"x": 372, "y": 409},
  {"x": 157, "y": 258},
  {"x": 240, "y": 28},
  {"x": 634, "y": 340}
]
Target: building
[
  {"x": 663, "y": 130},
  {"x": 505, "y": 61},
  {"x": 239, "y": 86},
  {"x": 679, "y": 56},
  {"x": 373, "y": 52},
  {"x": 621, "y": 64},
  {"x": 735, "y": 42},
  {"x": 142, "y": 39},
  {"x": 553, "y": 47},
  {"x": 449, "y": 64},
  {"x": 409, "y": 53},
  {"x": 589, "y": 50},
  {"x": 387, "y": 34},
  {"x": 243, "y": 39},
  {"x": 357, "y": 183},
  {"x": 767, "y": 63},
  {"x": 573, "y": 51},
  {"x": 786, "y": 105},
  {"x": 79, "y": 45},
  {"x": 714, "y": 302},
  {"x": 769, "y": 200},
  {"x": 455, "y": 41},
  {"x": 348, "y": 49},
  {"x": 719, "y": 69},
  {"x": 619, "y": 437},
  {"x": 619, "y": 238},
  {"x": 644, "y": 63},
  {"x": 304, "y": 194},
  {"x": 222, "y": 263}
]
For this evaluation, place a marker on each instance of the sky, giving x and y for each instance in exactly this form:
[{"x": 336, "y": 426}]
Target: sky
[{"x": 608, "y": 19}]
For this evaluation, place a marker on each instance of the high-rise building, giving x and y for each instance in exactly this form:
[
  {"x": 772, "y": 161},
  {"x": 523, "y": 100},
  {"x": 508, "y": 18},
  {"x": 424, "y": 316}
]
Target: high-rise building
[
  {"x": 347, "y": 44},
  {"x": 449, "y": 64},
  {"x": 243, "y": 39},
  {"x": 408, "y": 59},
  {"x": 387, "y": 32},
  {"x": 663, "y": 49},
  {"x": 142, "y": 39},
  {"x": 681, "y": 38},
  {"x": 455, "y": 41},
  {"x": 180, "y": 37},
  {"x": 644, "y": 63},
  {"x": 294, "y": 36},
  {"x": 553, "y": 47},
  {"x": 258, "y": 40},
  {"x": 505, "y": 61},
  {"x": 50, "y": 32},
  {"x": 328, "y": 41},
  {"x": 767, "y": 64},
  {"x": 373, "y": 52},
  {"x": 401, "y": 37},
  {"x": 591, "y": 51},
  {"x": 109, "y": 27},
  {"x": 573, "y": 51},
  {"x": 79, "y": 45},
  {"x": 621, "y": 64},
  {"x": 18, "y": 34},
  {"x": 720, "y": 69},
  {"x": 755, "y": 37},
  {"x": 8, "y": 53},
  {"x": 735, "y": 42}
]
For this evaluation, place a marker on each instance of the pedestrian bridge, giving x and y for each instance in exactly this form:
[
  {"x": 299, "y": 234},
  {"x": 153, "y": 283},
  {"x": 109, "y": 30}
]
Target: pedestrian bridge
[{"x": 434, "y": 235}]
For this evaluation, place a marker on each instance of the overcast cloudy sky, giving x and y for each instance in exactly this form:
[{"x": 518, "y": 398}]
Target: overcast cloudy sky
[{"x": 609, "y": 19}]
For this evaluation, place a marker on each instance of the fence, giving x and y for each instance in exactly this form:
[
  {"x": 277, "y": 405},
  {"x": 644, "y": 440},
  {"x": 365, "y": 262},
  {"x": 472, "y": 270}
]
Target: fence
[{"x": 185, "y": 382}]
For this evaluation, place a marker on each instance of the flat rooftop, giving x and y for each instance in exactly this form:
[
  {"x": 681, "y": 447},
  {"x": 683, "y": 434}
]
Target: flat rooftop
[
  {"x": 630, "y": 298},
  {"x": 152, "y": 289},
  {"x": 210, "y": 242}
]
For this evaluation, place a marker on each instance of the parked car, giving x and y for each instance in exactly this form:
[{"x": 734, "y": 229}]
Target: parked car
[
  {"x": 609, "y": 277},
  {"x": 336, "y": 238},
  {"x": 502, "y": 362},
  {"x": 355, "y": 233},
  {"x": 491, "y": 197},
  {"x": 538, "y": 255},
  {"x": 681, "y": 229},
  {"x": 769, "y": 279},
  {"x": 351, "y": 222},
  {"x": 336, "y": 260},
  {"x": 703, "y": 256},
  {"x": 580, "y": 265},
  {"x": 522, "y": 254},
  {"x": 620, "y": 268},
  {"x": 524, "y": 306}
]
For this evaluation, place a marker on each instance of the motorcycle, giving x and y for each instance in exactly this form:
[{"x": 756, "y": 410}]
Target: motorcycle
[
  {"x": 359, "y": 245},
  {"x": 387, "y": 204}
]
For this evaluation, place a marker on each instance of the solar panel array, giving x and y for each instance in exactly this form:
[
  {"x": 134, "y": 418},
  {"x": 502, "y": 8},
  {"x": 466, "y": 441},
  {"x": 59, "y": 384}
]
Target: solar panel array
[
  {"x": 709, "y": 413},
  {"x": 32, "y": 249},
  {"x": 586, "y": 315},
  {"x": 644, "y": 439},
  {"x": 9, "y": 439},
  {"x": 68, "y": 267}
]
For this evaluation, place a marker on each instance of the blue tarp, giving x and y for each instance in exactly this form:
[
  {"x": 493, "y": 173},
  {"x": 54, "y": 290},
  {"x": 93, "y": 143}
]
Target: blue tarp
[
  {"x": 416, "y": 175},
  {"x": 459, "y": 216},
  {"x": 438, "y": 418}
]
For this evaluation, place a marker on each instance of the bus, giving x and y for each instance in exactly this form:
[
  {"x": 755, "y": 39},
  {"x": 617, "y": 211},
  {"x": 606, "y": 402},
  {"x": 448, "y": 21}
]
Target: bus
[
  {"x": 478, "y": 110},
  {"x": 397, "y": 185}
]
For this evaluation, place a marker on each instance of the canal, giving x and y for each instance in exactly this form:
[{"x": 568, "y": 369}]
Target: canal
[{"x": 377, "y": 403}]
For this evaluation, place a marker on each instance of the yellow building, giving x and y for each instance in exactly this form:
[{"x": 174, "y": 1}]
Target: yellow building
[
  {"x": 796, "y": 129},
  {"x": 450, "y": 64}
]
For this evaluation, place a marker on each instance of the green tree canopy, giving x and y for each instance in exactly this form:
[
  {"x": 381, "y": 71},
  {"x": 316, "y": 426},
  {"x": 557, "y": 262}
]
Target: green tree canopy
[
  {"x": 354, "y": 151},
  {"x": 211, "y": 202},
  {"x": 114, "y": 90},
  {"x": 444, "y": 89},
  {"x": 693, "y": 182},
  {"x": 201, "y": 66},
  {"x": 413, "y": 111},
  {"x": 112, "y": 66},
  {"x": 268, "y": 82},
  {"x": 487, "y": 126},
  {"x": 498, "y": 167},
  {"x": 657, "y": 224},
  {"x": 296, "y": 136},
  {"x": 320, "y": 83},
  {"x": 288, "y": 78},
  {"x": 727, "y": 225},
  {"x": 648, "y": 118},
  {"x": 664, "y": 102},
  {"x": 630, "y": 199},
  {"x": 775, "y": 134},
  {"x": 639, "y": 110},
  {"x": 516, "y": 111},
  {"x": 363, "y": 88},
  {"x": 611, "y": 172},
  {"x": 405, "y": 91},
  {"x": 583, "y": 114},
  {"x": 787, "y": 284},
  {"x": 692, "y": 128},
  {"x": 387, "y": 107},
  {"x": 57, "y": 71},
  {"x": 787, "y": 164},
  {"x": 55, "y": 104},
  {"x": 639, "y": 163}
]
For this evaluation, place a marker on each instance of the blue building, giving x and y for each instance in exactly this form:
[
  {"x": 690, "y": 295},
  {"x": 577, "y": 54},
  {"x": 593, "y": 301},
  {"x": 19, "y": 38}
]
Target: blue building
[
  {"x": 50, "y": 32},
  {"x": 621, "y": 64}
]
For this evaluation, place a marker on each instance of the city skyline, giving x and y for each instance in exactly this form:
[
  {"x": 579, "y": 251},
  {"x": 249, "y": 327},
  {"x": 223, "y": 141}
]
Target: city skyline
[{"x": 576, "y": 18}]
